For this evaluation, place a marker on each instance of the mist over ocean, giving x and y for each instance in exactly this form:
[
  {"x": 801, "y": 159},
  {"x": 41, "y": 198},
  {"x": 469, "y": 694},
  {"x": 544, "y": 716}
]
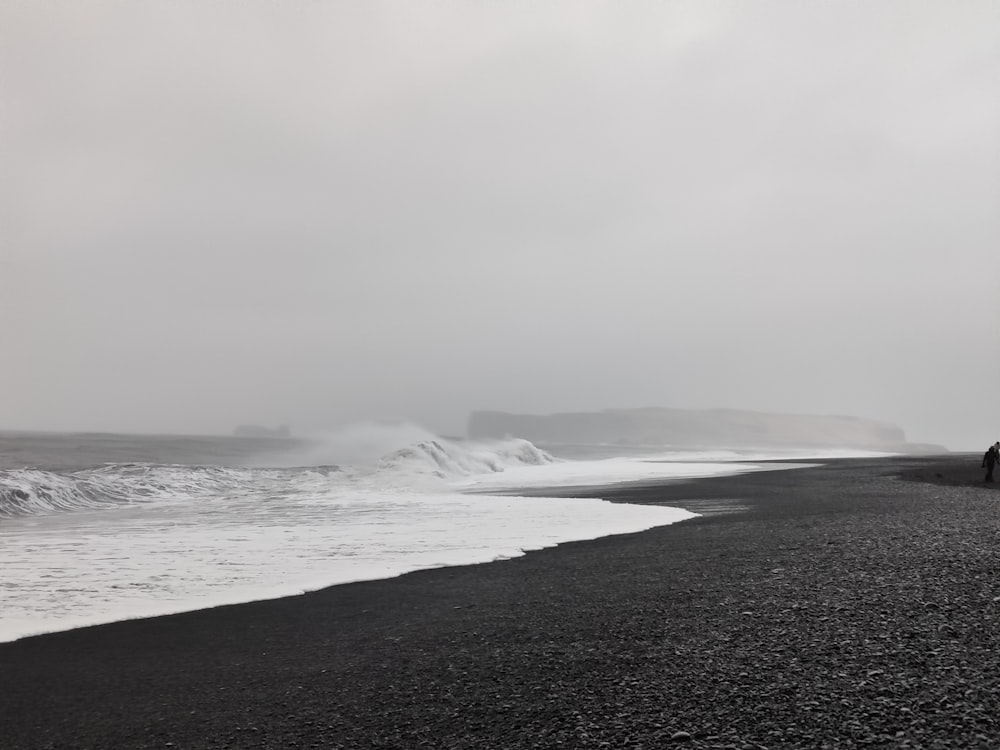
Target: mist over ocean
[{"x": 102, "y": 527}]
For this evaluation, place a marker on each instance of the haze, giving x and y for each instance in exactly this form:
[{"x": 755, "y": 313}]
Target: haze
[{"x": 317, "y": 213}]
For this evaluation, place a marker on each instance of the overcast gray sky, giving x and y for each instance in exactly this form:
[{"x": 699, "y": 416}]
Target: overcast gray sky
[{"x": 319, "y": 212}]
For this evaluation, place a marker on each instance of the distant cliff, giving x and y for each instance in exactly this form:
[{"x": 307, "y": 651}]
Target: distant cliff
[{"x": 709, "y": 428}]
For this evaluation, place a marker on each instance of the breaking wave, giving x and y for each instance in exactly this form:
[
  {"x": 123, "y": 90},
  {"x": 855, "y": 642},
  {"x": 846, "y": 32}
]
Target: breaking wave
[
  {"x": 36, "y": 492},
  {"x": 446, "y": 460},
  {"x": 428, "y": 463}
]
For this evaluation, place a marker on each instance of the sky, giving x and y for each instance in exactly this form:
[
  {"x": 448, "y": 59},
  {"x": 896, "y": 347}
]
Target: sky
[{"x": 317, "y": 213}]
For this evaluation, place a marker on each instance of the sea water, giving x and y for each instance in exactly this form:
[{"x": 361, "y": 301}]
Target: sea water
[{"x": 98, "y": 528}]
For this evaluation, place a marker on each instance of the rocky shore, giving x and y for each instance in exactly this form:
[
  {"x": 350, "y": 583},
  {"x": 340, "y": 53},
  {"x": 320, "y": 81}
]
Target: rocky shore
[{"x": 853, "y": 604}]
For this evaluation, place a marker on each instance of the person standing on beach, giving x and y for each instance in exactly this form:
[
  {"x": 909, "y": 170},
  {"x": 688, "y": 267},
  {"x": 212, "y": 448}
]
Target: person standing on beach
[{"x": 990, "y": 460}]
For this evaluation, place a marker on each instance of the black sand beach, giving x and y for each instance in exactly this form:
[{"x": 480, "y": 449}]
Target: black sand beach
[{"x": 843, "y": 606}]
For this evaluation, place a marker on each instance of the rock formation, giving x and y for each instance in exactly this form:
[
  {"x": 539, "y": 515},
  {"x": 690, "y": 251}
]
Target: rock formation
[{"x": 688, "y": 428}]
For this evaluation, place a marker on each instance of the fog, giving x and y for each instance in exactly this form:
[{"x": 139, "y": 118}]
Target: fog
[{"x": 319, "y": 213}]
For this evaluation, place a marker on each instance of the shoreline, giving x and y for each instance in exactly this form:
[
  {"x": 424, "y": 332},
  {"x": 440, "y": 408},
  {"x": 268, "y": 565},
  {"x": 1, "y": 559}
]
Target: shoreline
[
  {"x": 13, "y": 629},
  {"x": 842, "y": 607}
]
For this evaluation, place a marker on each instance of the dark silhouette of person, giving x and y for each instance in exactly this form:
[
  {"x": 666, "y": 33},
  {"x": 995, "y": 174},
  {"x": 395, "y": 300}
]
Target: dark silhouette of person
[{"x": 990, "y": 459}]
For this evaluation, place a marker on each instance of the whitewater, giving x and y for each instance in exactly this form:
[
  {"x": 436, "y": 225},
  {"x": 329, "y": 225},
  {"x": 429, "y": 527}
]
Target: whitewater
[{"x": 86, "y": 543}]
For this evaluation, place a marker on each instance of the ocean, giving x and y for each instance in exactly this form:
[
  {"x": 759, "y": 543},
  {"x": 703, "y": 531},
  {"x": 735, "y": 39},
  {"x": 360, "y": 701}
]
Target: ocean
[{"x": 96, "y": 528}]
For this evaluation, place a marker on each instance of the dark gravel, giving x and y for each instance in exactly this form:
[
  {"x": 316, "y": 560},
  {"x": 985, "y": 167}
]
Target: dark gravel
[{"x": 843, "y": 607}]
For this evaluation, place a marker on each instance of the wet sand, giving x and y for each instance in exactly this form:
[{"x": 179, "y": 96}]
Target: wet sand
[{"x": 837, "y": 606}]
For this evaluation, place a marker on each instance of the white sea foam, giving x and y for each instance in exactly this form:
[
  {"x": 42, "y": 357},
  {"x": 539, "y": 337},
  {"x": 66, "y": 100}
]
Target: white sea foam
[
  {"x": 133, "y": 540},
  {"x": 597, "y": 473}
]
